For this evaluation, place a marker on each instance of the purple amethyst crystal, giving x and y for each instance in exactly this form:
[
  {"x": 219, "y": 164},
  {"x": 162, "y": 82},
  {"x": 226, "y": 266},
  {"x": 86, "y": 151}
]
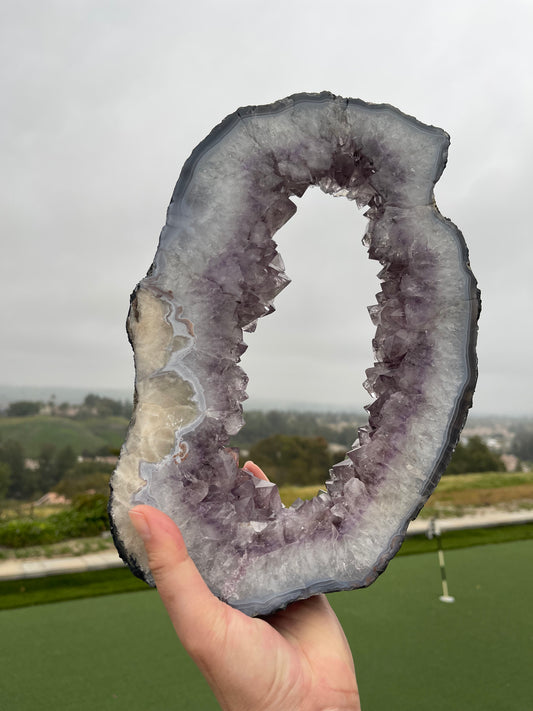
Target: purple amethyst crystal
[{"x": 216, "y": 271}]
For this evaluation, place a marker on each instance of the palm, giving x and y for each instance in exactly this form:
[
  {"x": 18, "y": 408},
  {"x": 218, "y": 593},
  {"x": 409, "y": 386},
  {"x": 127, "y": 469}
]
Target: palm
[{"x": 296, "y": 659}]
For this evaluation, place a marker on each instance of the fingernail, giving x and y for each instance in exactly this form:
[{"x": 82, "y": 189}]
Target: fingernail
[{"x": 140, "y": 524}]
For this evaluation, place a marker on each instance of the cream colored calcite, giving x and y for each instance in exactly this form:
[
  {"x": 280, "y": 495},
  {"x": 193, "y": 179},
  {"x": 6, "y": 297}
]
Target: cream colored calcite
[
  {"x": 165, "y": 402},
  {"x": 150, "y": 333}
]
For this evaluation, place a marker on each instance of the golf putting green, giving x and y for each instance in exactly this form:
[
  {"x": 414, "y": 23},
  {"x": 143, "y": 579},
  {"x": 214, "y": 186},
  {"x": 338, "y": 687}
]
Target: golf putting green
[{"x": 412, "y": 652}]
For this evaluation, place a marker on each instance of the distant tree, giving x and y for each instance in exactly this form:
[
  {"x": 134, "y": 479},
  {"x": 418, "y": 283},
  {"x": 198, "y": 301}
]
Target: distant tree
[
  {"x": 65, "y": 459},
  {"x": 340, "y": 428},
  {"x": 63, "y": 408},
  {"x": 474, "y": 457},
  {"x": 71, "y": 486},
  {"x": 106, "y": 451},
  {"x": 346, "y": 435},
  {"x": 85, "y": 476},
  {"x": 91, "y": 466},
  {"x": 12, "y": 453},
  {"x": 289, "y": 459},
  {"x": 104, "y": 407},
  {"x": 5, "y": 477},
  {"x": 277, "y": 421},
  {"x": 47, "y": 466},
  {"x": 522, "y": 445},
  {"x": 23, "y": 482},
  {"x": 23, "y": 408}
]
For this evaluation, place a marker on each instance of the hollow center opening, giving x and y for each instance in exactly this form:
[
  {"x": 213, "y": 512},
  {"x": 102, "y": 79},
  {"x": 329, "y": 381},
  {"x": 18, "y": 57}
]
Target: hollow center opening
[{"x": 306, "y": 362}]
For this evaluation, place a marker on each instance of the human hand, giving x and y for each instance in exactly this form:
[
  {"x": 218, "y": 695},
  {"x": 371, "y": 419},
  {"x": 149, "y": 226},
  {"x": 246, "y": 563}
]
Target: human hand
[{"x": 297, "y": 659}]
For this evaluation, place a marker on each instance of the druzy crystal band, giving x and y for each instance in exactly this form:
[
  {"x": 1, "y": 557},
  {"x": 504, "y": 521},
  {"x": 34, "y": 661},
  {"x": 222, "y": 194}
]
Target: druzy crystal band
[{"x": 216, "y": 271}]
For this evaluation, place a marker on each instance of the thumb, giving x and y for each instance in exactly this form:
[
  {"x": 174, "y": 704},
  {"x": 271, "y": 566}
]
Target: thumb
[{"x": 195, "y": 612}]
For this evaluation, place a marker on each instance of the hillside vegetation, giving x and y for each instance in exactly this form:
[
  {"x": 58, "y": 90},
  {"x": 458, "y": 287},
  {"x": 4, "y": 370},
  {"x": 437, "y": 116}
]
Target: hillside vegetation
[
  {"x": 457, "y": 494},
  {"x": 71, "y": 449},
  {"x": 466, "y": 493},
  {"x": 93, "y": 434}
]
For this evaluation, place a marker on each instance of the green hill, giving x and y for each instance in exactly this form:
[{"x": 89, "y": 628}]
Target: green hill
[{"x": 91, "y": 434}]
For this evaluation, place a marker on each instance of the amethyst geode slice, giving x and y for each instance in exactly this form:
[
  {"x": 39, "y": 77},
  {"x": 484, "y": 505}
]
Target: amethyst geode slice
[{"x": 216, "y": 271}]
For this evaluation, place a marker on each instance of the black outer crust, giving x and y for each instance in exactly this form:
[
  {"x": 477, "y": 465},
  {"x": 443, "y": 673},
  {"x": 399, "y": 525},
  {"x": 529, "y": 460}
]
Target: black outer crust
[
  {"x": 123, "y": 552},
  {"x": 464, "y": 403},
  {"x": 128, "y": 559}
]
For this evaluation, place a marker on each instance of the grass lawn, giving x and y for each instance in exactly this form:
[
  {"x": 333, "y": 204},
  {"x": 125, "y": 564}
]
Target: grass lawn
[
  {"x": 412, "y": 652},
  {"x": 454, "y": 493},
  {"x": 57, "y": 588}
]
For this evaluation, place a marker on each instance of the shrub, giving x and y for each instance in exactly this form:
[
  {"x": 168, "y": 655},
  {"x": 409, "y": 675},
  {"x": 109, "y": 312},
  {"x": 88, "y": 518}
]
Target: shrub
[
  {"x": 86, "y": 517},
  {"x": 20, "y": 532},
  {"x": 74, "y": 484},
  {"x": 93, "y": 507}
]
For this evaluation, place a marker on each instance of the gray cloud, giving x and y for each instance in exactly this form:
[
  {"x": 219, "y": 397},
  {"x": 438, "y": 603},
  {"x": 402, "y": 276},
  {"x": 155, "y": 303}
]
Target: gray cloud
[{"x": 105, "y": 100}]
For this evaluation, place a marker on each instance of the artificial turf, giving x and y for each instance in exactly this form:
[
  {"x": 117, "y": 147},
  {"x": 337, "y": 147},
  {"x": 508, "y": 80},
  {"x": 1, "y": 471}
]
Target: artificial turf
[
  {"x": 56, "y": 588},
  {"x": 412, "y": 652}
]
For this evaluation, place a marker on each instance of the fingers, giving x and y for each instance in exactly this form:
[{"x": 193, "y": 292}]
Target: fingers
[
  {"x": 255, "y": 470},
  {"x": 194, "y": 610}
]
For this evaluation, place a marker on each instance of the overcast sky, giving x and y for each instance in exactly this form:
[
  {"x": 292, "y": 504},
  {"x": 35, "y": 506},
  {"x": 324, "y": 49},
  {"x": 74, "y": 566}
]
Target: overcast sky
[{"x": 103, "y": 101}]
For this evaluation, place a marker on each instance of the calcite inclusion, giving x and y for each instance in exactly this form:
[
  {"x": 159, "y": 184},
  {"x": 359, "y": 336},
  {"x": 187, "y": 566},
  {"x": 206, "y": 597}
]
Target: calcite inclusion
[{"x": 216, "y": 271}]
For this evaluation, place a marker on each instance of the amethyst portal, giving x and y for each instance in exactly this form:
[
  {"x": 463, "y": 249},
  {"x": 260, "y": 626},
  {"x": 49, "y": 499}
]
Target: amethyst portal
[{"x": 216, "y": 271}]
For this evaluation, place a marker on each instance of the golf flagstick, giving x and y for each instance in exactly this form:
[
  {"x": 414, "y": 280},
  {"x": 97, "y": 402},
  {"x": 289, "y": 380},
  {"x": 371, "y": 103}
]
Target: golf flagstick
[{"x": 434, "y": 531}]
